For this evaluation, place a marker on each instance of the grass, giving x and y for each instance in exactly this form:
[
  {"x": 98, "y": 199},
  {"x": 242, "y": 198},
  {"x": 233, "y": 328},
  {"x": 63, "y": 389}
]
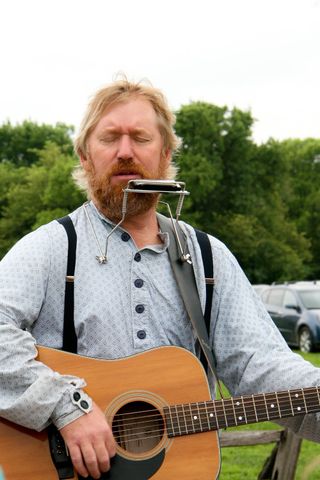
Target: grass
[{"x": 240, "y": 463}]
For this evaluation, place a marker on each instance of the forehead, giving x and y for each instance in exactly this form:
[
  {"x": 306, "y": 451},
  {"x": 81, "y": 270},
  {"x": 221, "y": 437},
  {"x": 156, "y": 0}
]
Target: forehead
[{"x": 131, "y": 114}]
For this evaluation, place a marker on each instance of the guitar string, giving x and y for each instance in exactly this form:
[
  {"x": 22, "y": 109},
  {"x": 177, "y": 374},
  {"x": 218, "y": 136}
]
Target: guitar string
[
  {"x": 232, "y": 402},
  {"x": 303, "y": 392},
  {"x": 160, "y": 431},
  {"x": 223, "y": 405},
  {"x": 228, "y": 404},
  {"x": 190, "y": 425},
  {"x": 188, "y": 417},
  {"x": 228, "y": 411}
]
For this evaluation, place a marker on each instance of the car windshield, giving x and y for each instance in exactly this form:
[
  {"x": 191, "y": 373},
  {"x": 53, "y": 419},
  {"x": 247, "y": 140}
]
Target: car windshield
[{"x": 310, "y": 298}]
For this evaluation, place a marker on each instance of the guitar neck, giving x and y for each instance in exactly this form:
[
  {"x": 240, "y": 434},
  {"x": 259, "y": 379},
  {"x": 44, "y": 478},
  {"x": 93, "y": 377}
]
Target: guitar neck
[{"x": 199, "y": 417}]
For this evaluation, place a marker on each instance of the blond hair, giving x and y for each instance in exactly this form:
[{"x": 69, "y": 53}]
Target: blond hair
[{"x": 113, "y": 94}]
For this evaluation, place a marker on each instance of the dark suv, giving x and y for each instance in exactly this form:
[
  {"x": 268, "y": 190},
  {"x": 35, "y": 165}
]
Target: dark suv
[{"x": 295, "y": 309}]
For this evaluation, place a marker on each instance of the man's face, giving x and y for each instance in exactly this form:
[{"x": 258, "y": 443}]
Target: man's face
[{"x": 126, "y": 144}]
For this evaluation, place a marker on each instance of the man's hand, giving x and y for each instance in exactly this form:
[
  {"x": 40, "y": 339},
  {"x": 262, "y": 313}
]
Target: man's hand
[{"x": 90, "y": 443}]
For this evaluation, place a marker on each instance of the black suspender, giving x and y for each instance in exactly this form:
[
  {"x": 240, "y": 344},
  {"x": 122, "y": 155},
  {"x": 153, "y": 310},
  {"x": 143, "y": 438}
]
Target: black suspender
[
  {"x": 69, "y": 334},
  {"x": 206, "y": 253}
]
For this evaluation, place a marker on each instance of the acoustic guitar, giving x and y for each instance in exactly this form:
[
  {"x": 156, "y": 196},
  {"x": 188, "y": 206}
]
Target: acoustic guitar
[{"x": 163, "y": 420}]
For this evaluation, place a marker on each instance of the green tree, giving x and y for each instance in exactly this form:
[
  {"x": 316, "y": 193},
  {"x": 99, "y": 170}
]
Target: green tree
[
  {"x": 302, "y": 197},
  {"x": 9, "y": 175},
  {"x": 235, "y": 193},
  {"x": 18, "y": 142},
  {"x": 45, "y": 191},
  {"x": 262, "y": 201},
  {"x": 215, "y": 160}
]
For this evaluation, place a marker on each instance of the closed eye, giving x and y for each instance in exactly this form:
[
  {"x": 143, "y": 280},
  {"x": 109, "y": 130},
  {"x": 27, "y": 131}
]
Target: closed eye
[
  {"x": 140, "y": 139},
  {"x": 109, "y": 138}
]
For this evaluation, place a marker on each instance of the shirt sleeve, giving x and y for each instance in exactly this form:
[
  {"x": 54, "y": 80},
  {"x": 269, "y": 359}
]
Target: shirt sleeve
[
  {"x": 31, "y": 394},
  {"x": 252, "y": 356}
]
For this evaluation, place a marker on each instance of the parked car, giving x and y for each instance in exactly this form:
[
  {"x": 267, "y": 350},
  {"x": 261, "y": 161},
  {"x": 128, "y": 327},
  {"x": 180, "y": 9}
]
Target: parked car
[
  {"x": 295, "y": 309},
  {"x": 259, "y": 288}
]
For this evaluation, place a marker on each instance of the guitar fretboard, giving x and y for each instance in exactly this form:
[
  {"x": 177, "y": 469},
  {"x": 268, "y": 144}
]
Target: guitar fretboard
[{"x": 199, "y": 417}]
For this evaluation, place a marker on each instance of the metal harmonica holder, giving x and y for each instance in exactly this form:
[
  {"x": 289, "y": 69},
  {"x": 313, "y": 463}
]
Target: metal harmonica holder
[{"x": 156, "y": 186}]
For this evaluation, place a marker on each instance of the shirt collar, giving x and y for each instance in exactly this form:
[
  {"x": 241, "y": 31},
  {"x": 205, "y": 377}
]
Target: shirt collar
[
  {"x": 100, "y": 215},
  {"x": 158, "y": 248}
]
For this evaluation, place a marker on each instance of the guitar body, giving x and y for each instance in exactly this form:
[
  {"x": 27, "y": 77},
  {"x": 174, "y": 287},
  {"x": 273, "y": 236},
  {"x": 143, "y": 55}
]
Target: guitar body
[{"x": 145, "y": 382}]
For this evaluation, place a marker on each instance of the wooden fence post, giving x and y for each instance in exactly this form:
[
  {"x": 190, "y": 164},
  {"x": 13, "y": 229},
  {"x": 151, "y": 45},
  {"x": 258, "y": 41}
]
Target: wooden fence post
[
  {"x": 282, "y": 463},
  {"x": 287, "y": 456}
]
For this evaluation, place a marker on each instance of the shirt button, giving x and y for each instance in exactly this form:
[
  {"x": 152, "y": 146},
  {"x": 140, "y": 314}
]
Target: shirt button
[
  {"x": 137, "y": 257},
  {"x": 139, "y": 308},
  {"x": 125, "y": 236},
  {"x": 141, "y": 334},
  {"x": 76, "y": 396},
  {"x": 138, "y": 283},
  {"x": 84, "y": 404}
]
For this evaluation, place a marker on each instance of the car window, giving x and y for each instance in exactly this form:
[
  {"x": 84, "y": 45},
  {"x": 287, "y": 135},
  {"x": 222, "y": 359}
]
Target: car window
[
  {"x": 289, "y": 299},
  {"x": 276, "y": 296},
  {"x": 260, "y": 288},
  {"x": 310, "y": 298},
  {"x": 265, "y": 295}
]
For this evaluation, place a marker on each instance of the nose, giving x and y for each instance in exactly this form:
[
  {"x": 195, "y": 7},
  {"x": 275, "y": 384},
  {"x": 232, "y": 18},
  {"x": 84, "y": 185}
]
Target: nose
[{"x": 125, "y": 147}]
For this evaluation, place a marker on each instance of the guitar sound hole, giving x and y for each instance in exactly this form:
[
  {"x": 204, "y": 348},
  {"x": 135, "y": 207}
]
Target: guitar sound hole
[{"x": 138, "y": 427}]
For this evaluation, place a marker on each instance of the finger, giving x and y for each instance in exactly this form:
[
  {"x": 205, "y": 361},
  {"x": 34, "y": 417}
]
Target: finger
[
  {"x": 77, "y": 461},
  {"x": 111, "y": 444},
  {"x": 103, "y": 456},
  {"x": 90, "y": 460}
]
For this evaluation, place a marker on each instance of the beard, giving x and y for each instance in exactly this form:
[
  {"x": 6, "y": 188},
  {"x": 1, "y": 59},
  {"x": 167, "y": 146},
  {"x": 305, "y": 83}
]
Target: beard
[{"x": 109, "y": 198}]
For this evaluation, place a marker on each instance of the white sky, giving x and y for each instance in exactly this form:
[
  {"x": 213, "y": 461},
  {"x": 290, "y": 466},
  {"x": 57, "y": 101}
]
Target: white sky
[{"x": 262, "y": 55}]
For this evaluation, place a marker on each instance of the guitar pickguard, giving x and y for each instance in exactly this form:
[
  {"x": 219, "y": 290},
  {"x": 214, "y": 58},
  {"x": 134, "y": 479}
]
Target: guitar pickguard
[{"x": 125, "y": 469}]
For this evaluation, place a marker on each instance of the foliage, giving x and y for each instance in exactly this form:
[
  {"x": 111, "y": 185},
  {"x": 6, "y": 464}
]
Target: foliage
[
  {"x": 19, "y": 143},
  {"x": 36, "y": 194},
  {"x": 303, "y": 197},
  {"x": 263, "y": 201},
  {"x": 239, "y": 192}
]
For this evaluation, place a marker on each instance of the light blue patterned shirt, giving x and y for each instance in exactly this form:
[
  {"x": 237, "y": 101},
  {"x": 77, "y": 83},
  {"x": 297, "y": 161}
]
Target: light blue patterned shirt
[{"x": 126, "y": 306}]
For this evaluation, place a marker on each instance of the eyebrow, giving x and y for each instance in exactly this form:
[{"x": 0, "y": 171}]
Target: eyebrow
[{"x": 116, "y": 129}]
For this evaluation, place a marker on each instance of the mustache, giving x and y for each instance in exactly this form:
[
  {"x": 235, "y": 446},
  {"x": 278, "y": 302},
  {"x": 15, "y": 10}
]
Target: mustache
[{"x": 127, "y": 167}]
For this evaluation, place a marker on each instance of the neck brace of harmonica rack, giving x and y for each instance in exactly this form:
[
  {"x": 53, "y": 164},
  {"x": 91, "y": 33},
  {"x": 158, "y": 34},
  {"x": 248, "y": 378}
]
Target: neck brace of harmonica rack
[{"x": 152, "y": 186}]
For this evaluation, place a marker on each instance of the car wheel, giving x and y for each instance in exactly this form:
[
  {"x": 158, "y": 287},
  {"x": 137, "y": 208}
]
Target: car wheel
[{"x": 305, "y": 340}]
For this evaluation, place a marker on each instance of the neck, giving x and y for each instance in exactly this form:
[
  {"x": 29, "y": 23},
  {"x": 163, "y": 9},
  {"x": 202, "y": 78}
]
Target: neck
[{"x": 143, "y": 228}]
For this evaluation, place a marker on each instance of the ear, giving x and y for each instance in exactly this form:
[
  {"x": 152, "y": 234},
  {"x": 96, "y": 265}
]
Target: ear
[
  {"x": 167, "y": 156},
  {"x": 85, "y": 161}
]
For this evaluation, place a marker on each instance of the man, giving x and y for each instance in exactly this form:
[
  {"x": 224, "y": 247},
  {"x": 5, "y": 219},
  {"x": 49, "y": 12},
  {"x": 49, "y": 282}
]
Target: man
[{"x": 130, "y": 303}]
